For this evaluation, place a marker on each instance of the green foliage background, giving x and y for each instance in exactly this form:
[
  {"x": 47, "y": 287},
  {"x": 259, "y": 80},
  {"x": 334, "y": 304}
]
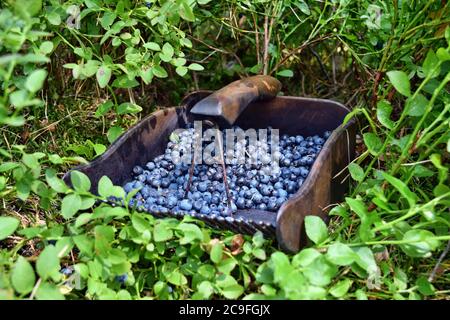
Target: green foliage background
[{"x": 75, "y": 74}]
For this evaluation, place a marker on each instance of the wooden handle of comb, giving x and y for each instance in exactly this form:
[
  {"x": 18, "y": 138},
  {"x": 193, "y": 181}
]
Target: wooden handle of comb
[{"x": 229, "y": 102}]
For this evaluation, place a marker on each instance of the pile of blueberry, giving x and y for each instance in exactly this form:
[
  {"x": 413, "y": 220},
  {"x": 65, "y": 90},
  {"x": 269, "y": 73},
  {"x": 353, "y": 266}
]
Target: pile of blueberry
[{"x": 263, "y": 185}]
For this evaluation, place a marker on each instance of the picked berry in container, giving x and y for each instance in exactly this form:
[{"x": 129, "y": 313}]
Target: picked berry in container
[{"x": 297, "y": 168}]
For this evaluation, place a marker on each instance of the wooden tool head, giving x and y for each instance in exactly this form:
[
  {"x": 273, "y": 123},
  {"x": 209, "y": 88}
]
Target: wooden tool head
[{"x": 229, "y": 102}]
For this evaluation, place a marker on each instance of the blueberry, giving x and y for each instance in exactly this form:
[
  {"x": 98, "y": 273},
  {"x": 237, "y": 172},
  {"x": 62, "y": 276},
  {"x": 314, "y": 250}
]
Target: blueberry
[
  {"x": 264, "y": 179},
  {"x": 291, "y": 187},
  {"x": 137, "y": 170},
  {"x": 202, "y": 187},
  {"x": 155, "y": 182},
  {"x": 128, "y": 187},
  {"x": 165, "y": 182},
  {"x": 121, "y": 279},
  {"x": 272, "y": 205},
  {"x": 198, "y": 204},
  {"x": 162, "y": 209},
  {"x": 257, "y": 198},
  {"x": 215, "y": 199},
  {"x": 67, "y": 271},
  {"x": 280, "y": 201},
  {"x": 240, "y": 203},
  {"x": 205, "y": 210},
  {"x": 278, "y": 185},
  {"x": 185, "y": 205},
  {"x": 303, "y": 172},
  {"x": 150, "y": 165},
  {"x": 171, "y": 201},
  {"x": 137, "y": 185},
  {"x": 266, "y": 190},
  {"x": 262, "y": 206}
]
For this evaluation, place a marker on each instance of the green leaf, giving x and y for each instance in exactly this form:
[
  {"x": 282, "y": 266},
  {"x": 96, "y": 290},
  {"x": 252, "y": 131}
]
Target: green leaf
[
  {"x": 191, "y": 233},
  {"x": 186, "y": 42},
  {"x": 124, "y": 82},
  {"x": 108, "y": 19},
  {"x": 90, "y": 68},
  {"x": 46, "y": 47},
  {"x": 216, "y": 252},
  {"x": 281, "y": 266},
  {"x": 181, "y": 70},
  {"x": 316, "y": 229},
  {"x": 340, "y": 289},
  {"x": 415, "y": 107},
  {"x": 400, "y": 81},
  {"x": 431, "y": 65},
  {"x": 421, "y": 243},
  {"x": 424, "y": 286},
  {"x": 162, "y": 231},
  {"x": 35, "y": 80},
  {"x": 177, "y": 278},
  {"x": 22, "y": 276},
  {"x": 104, "y": 235},
  {"x": 232, "y": 292},
  {"x": 113, "y": 133},
  {"x": 356, "y": 172},
  {"x": 204, "y": 291},
  {"x": 305, "y": 257},
  {"x": 159, "y": 71},
  {"x": 340, "y": 254},
  {"x": 8, "y": 166},
  {"x": 48, "y": 291},
  {"x": 365, "y": 259},
  {"x": 103, "y": 76},
  {"x": 105, "y": 186},
  {"x": 402, "y": 188},
  {"x": 80, "y": 181},
  {"x": 30, "y": 160},
  {"x": 84, "y": 244},
  {"x": 146, "y": 75},
  {"x": 443, "y": 54},
  {"x": 8, "y": 226},
  {"x": 82, "y": 219},
  {"x": 186, "y": 12},
  {"x": 70, "y": 205},
  {"x": 128, "y": 107},
  {"x": 384, "y": 110},
  {"x": 285, "y": 73},
  {"x": 167, "y": 49},
  {"x": 103, "y": 108},
  {"x": 358, "y": 207},
  {"x": 47, "y": 265},
  {"x": 140, "y": 223},
  {"x": 54, "y": 182},
  {"x": 152, "y": 46},
  {"x": 54, "y": 18},
  {"x": 55, "y": 159},
  {"x": 226, "y": 266},
  {"x": 372, "y": 142},
  {"x": 195, "y": 67},
  {"x": 320, "y": 271},
  {"x": 116, "y": 256},
  {"x": 303, "y": 6}
]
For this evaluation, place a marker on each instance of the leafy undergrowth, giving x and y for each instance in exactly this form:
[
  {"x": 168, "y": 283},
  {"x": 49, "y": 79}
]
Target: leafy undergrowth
[{"x": 71, "y": 84}]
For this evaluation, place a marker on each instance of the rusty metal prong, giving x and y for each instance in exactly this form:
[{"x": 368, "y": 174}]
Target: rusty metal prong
[
  {"x": 224, "y": 169},
  {"x": 191, "y": 174}
]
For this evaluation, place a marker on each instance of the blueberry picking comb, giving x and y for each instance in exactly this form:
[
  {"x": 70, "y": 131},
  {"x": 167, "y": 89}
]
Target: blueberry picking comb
[
  {"x": 230, "y": 101},
  {"x": 248, "y": 103}
]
